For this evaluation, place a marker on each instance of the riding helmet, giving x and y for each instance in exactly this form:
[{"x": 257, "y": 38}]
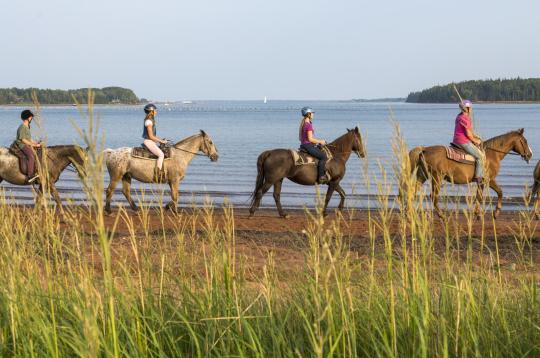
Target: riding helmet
[
  {"x": 149, "y": 108},
  {"x": 465, "y": 104},
  {"x": 26, "y": 114},
  {"x": 306, "y": 111}
]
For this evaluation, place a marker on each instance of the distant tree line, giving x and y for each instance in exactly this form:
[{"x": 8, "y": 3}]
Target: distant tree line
[
  {"x": 500, "y": 90},
  {"x": 106, "y": 95}
]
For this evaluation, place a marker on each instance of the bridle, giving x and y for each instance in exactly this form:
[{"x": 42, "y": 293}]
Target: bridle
[
  {"x": 348, "y": 151},
  {"x": 509, "y": 152},
  {"x": 196, "y": 153}
]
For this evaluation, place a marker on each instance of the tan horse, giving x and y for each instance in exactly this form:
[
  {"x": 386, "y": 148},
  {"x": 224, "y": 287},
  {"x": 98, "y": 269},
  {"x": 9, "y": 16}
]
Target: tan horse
[
  {"x": 58, "y": 158},
  {"x": 431, "y": 162},
  {"x": 121, "y": 165}
]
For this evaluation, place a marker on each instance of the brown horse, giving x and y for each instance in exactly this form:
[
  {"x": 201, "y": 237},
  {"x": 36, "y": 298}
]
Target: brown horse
[
  {"x": 431, "y": 162},
  {"x": 58, "y": 158},
  {"x": 536, "y": 189},
  {"x": 276, "y": 164}
]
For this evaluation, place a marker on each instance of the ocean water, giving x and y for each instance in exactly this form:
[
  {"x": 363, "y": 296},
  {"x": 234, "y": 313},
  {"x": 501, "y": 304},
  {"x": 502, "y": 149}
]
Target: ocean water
[{"x": 243, "y": 129}]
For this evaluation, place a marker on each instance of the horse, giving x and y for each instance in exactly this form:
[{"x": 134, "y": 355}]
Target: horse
[
  {"x": 122, "y": 165},
  {"x": 431, "y": 162},
  {"x": 276, "y": 164},
  {"x": 58, "y": 157},
  {"x": 535, "y": 190}
]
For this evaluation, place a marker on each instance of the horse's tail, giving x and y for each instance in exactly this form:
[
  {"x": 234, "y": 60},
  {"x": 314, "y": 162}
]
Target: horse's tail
[
  {"x": 418, "y": 163},
  {"x": 260, "y": 174},
  {"x": 536, "y": 185}
]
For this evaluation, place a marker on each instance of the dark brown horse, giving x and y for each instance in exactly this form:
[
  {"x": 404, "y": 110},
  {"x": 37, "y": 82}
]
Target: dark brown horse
[
  {"x": 431, "y": 162},
  {"x": 58, "y": 157},
  {"x": 535, "y": 190},
  {"x": 276, "y": 164}
]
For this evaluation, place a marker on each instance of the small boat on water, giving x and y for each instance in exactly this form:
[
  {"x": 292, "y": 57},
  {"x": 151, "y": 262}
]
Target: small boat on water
[
  {"x": 187, "y": 102},
  {"x": 265, "y": 100}
]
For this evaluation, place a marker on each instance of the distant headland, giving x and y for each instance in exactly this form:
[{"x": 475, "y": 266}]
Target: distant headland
[
  {"x": 105, "y": 95},
  {"x": 518, "y": 90}
]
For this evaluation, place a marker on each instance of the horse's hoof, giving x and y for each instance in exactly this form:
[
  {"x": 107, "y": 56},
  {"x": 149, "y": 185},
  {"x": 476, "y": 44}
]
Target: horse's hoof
[
  {"x": 496, "y": 214},
  {"x": 284, "y": 216},
  {"x": 135, "y": 208}
]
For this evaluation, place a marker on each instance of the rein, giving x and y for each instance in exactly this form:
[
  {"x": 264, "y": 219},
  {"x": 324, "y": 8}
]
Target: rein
[
  {"x": 501, "y": 151},
  {"x": 190, "y": 152}
]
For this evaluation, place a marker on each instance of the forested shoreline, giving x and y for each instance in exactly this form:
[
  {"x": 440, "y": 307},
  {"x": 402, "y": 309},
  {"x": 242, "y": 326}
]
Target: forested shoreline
[
  {"x": 106, "y": 95},
  {"x": 499, "y": 90}
]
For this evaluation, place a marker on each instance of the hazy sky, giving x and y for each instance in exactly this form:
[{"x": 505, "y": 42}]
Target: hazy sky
[{"x": 168, "y": 50}]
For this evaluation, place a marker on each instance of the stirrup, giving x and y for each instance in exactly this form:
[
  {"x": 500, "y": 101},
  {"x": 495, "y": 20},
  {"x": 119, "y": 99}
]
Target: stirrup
[{"x": 32, "y": 179}]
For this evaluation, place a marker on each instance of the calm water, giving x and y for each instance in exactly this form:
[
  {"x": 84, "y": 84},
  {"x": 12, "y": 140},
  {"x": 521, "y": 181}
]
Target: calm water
[{"x": 243, "y": 129}]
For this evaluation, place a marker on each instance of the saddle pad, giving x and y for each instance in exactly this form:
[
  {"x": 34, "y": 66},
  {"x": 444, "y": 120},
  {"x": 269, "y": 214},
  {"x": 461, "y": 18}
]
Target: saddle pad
[
  {"x": 16, "y": 151},
  {"x": 301, "y": 157},
  {"x": 459, "y": 156},
  {"x": 144, "y": 153}
]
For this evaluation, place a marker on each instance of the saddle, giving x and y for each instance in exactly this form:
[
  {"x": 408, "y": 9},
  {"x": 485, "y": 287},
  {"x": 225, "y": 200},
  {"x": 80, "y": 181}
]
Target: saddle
[
  {"x": 455, "y": 153},
  {"x": 143, "y": 152},
  {"x": 16, "y": 151},
  {"x": 301, "y": 157}
]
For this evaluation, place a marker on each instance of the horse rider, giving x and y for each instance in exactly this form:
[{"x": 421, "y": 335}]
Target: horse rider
[
  {"x": 151, "y": 140},
  {"x": 311, "y": 144},
  {"x": 25, "y": 143},
  {"x": 466, "y": 139}
]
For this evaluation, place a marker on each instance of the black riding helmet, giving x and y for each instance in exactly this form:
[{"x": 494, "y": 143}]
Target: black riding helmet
[
  {"x": 26, "y": 114},
  {"x": 149, "y": 108}
]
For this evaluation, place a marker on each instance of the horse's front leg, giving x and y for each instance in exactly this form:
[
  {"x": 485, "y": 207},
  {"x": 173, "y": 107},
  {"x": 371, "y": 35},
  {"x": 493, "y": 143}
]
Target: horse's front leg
[
  {"x": 329, "y": 192},
  {"x": 173, "y": 185},
  {"x": 56, "y": 197},
  {"x": 493, "y": 185}
]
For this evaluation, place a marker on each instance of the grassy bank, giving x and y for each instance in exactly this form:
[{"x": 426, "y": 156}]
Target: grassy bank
[{"x": 184, "y": 290}]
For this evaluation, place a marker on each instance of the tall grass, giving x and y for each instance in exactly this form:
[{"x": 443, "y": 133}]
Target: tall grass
[{"x": 84, "y": 288}]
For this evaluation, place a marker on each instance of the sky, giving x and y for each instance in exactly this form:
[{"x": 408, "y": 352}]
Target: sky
[{"x": 248, "y": 49}]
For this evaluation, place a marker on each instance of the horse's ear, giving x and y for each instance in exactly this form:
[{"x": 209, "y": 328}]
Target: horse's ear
[
  {"x": 203, "y": 133},
  {"x": 348, "y": 130},
  {"x": 521, "y": 130},
  {"x": 356, "y": 129}
]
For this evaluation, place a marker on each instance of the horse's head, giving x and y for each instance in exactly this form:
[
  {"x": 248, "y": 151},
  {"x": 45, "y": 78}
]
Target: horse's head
[
  {"x": 208, "y": 147},
  {"x": 357, "y": 145},
  {"x": 521, "y": 146}
]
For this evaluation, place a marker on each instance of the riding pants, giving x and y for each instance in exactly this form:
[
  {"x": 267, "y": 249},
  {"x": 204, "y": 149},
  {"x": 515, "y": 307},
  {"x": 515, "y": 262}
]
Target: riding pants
[
  {"x": 478, "y": 157},
  {"x": 30, "y": 161},
  {"x": 153, "y": 147},
  {"x": 317, "y": 152}
]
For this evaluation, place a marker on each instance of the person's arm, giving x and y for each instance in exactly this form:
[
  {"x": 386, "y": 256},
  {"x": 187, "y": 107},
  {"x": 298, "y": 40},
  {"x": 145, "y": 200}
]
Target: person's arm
[
  {"x": 151, "y": 135},
  {"x": 313, "y": 140},
  {"x": 31, "y": 143},
  {"x": 473, "y": 137}
]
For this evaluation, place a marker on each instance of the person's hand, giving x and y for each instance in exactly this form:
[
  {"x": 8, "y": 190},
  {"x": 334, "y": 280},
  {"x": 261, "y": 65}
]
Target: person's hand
[
  {"x": 478, "y": 142},
  {"x": 323, "y": 142},
  {"x": 164, "y": 141}
]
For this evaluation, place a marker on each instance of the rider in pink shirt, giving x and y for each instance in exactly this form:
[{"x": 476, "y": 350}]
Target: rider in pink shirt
[{"x": 465, "y": 138}]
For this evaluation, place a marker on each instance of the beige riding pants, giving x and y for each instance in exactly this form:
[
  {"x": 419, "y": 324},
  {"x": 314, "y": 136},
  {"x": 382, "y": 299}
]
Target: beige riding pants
[{"x": 153, "y": 147}]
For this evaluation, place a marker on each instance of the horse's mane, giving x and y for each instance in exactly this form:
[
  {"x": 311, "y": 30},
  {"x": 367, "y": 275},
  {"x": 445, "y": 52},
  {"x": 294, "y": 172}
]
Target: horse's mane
[
  {"x": 186, "y": 139},
  {"x": 339, "y": 142},
  {"x": 500, "y": 139}
]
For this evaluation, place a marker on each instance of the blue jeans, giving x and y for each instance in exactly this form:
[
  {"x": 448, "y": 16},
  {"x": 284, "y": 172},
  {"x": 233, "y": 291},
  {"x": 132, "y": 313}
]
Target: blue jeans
[
  {"x": 478, "y": 156},
  {"x": 315, "y": 151}
]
